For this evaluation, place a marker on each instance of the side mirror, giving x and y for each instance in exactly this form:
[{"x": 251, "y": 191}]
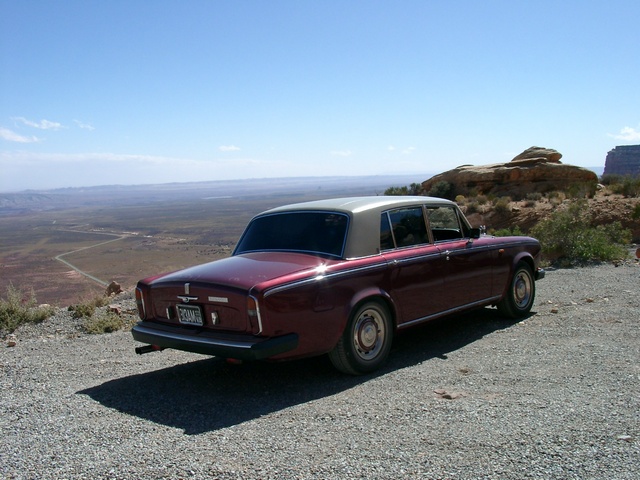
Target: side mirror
[{"x": 475, "y": 233}]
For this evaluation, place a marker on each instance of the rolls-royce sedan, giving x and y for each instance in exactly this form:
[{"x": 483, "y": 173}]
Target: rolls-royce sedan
[{"x": 337, "y": 277}]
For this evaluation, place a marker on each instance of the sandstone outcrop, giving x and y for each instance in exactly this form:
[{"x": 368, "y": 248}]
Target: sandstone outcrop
[
  {"x": 623, "y": 160},
  {"x": 536, "y": 170}
]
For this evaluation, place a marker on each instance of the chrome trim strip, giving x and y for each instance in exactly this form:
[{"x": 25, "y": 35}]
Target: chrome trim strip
[
  {"x": 298, "y": 283},
  {"x": 444, "y": 313}
]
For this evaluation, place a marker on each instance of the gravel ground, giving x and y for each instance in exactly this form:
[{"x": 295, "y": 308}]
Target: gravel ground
[{"x": 554, "y": 396}]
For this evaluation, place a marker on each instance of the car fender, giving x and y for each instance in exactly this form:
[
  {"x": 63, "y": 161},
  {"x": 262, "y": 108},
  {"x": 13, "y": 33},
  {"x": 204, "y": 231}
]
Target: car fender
[
  {"x": 519, "y": 257},
  {"x": 374, "y": 294}
]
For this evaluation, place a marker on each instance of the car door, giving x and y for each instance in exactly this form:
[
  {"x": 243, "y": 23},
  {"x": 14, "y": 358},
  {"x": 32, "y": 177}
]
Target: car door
[
  {"x": 468, "y": 263},
  {"x": 416, "y": 269}
]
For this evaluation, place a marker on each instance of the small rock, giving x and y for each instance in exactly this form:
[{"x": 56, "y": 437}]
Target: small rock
[
  {"x": 117, "y": 309},
  {"x": 554, "y": 310},
  {"x": 114, "y": 288},
  {"x": 12, "y": 340},
  {"x": 589, "y": 300},
  {"x": 442, "y": 393}
]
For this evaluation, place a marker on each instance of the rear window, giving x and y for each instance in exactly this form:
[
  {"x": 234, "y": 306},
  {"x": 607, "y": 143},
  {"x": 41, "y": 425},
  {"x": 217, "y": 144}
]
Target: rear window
[{"x": 321, "y": 233}]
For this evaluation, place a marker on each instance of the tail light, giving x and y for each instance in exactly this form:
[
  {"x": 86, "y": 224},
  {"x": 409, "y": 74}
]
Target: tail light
[
  {"x": 253, "y": 311},
  {"x": 142, "y": 311}
]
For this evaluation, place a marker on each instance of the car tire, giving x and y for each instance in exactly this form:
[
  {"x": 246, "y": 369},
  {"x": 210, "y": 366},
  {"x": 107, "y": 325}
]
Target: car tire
[
  {"x": 521, "y": 291},
  {"x": 366, "y": 341}
]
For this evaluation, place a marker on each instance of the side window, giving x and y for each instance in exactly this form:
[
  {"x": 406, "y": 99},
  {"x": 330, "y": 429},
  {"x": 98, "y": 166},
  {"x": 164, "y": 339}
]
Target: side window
[
  {"x": 444, "y": 223},
  {"x": 408, "y": 226},
  {"x": 386, "y": 238}
]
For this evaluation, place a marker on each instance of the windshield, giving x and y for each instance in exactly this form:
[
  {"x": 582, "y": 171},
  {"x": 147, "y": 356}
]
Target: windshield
[{"x": 310, "y": 232}]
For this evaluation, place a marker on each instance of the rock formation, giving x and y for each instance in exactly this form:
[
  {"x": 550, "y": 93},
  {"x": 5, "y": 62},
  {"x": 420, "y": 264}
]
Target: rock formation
[
  {"x": 534, "y": 170},
  {"x": 623, "y": 160}
]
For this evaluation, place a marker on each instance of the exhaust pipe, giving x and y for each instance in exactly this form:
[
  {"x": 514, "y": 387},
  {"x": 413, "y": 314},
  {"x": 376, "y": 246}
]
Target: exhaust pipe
[{"x": 148, "y": 349}]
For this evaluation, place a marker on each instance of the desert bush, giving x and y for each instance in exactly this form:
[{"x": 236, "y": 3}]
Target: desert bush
[
  {"x": 88, "y": 308},
  {"x": 413, "y": 189},
  {"x": 502, "y": 205},
  {"x": 636, "y": 212},
  {"x": 508, "y": 232},
  {"x": 472, "y": 207},
  {"x": 460, "y": 199},
  {"x": 534, "y": 196},
  {"x": 17, "y": 308},
  {"x": 569, "y": 238},
  {"x": 626, "y": 185},
  {"x": 629, "y": 188},
  {"x": 106, "y": 322},
  {"x": 441, "y": 189},
  {"x": 482, "y": 199},
  {"x": 611, "y": 179}
]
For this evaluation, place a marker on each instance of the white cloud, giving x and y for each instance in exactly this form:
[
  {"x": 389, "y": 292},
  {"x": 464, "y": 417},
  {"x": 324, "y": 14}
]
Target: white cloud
[
  {"x": 404, "y": 151},
  {"x": 341, "y": 153},
  {"x": 10, "y": 136},
  {"x": 628, "y": 134},
  {"x": 42, "y": 124},
  {"x": 84, "y": 126},
  {"x": 228, "y": 148}
]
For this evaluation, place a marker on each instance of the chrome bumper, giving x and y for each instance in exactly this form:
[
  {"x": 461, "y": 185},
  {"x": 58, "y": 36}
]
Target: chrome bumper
[{"x": 241, "y": 347}]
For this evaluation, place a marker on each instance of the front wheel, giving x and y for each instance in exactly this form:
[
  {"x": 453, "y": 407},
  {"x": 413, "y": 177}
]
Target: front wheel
[
  {"x": 518, "y": 300},
  {"x": 366, "y": 341}
]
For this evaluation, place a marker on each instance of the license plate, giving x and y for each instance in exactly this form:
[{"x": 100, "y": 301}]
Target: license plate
[{"x": 190, "y": 314}]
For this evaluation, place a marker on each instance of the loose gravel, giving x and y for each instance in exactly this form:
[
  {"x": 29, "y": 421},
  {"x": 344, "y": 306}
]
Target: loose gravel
[{"x": 556, "y": 395}]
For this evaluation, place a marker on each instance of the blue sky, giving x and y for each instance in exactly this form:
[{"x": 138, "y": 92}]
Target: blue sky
[{"x": 133, "y": 92}]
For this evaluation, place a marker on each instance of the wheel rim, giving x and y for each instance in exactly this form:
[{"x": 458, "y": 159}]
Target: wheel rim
[
  {"x": 522, "y": 289},
  {"x": 368, "y": 334}
]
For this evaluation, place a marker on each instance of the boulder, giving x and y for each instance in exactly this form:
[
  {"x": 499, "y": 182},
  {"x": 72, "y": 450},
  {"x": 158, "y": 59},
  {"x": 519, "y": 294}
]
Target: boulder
[
  {"x": 113, "y": 288},
  {"x": 536, "y": 170}
]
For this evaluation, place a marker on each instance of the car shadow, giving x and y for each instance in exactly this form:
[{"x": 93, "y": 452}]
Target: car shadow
[{"x": 210, "y": 394}]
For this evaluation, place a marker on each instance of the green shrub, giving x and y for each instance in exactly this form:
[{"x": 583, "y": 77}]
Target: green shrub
[
  {"x": 482, "y": 199},
  {"x": 472, "y": 207},
  {"x": 626, "y": 185},
  {"x": 611, "y": 179},
  {"x": 508, "y": 232},
  {"x": 88, "y": 308},
  {"x": 413, "y": 189},
  {"x": 103, "y": 323},
  {"x": 567, "y": 237},
  {"x": 636, "y": 212},
  {"x": 502, "y": 205},
  {"x": 17, "y": 309},
  {"x": 534, "y": 196},
  {"x": 441, "y": 189}
]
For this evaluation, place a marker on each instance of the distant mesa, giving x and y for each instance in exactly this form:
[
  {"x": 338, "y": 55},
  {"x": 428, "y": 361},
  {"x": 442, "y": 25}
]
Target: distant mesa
[
  {"x": 537, "y": 169},
  {"x": 623, "y": 160}
]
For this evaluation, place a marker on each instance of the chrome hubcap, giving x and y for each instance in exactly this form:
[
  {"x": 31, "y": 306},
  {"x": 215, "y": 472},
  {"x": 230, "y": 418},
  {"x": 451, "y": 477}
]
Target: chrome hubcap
[
  {"x": 369, "y": 334},
  {"x": 522, "y": 289}
]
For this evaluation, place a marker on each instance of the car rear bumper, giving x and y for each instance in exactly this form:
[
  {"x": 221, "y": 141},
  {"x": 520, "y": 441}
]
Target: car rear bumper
[{"x": 241, "y": 347}]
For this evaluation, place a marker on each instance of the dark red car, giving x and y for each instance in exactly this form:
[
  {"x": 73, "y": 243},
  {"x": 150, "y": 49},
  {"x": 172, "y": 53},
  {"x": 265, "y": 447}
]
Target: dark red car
[{"x": 337, "y": 276}]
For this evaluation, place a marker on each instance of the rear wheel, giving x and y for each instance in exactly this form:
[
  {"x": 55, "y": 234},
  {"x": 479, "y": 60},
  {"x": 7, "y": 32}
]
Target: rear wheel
[
  {"x": 366, "y": 341},
  {"x": 518, "y": 300}
]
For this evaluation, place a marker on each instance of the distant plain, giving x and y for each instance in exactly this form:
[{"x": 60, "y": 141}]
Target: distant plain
[{"x": 123, "y": 234}]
